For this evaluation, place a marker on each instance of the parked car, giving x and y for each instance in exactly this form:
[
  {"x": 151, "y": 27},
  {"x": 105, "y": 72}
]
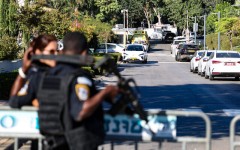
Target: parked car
[
  {"x": 186, "y": 51},
  {"x": 169, "y": 37},
  {"x": 175, "y": 44},
  {"x": 194, "y": 61},
  {"x": 109, "y": 48},
  {"x": 223, "y": 64},
  {"x": 202, "y": 62},
  {"x": 134, "y": 52}
]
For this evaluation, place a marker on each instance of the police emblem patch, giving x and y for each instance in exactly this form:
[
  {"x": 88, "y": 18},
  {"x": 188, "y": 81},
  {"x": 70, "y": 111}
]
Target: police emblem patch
[{"x": 82, "y": 91}]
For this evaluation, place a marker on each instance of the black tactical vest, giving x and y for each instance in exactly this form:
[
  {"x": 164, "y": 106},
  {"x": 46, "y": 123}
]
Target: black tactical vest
[
  {"x": 54, "y": 115},
  {"x": 53, "y": 95}
]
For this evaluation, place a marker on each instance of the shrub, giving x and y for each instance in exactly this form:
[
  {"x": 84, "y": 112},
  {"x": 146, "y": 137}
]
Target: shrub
[
  {"x": 99, "y": 56},
  {"x": 9, "y": 49},
  {"x": 212, "y": 41}
]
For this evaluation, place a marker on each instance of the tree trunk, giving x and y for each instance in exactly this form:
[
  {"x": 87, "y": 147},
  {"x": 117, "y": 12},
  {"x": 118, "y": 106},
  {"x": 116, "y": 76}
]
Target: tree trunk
[
  {"x": 147, "y": 15},
  {"x": 158, "y": 15}
]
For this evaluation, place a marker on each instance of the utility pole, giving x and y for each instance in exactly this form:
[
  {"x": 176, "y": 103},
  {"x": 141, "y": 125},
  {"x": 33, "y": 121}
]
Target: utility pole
[
  {"x": 187, "y": 30},
  {"x": 195, "y": 30},
  {"x": 219, "y": 40},
  {"x": 204, "y": 41}
]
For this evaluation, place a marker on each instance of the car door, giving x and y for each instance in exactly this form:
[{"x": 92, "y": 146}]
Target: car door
[{"x": 208, "y": 65}]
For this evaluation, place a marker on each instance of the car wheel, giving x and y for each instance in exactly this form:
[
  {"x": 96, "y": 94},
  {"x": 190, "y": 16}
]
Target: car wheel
[
  {"x": 124, "y": 61},
  {"x": 191, "y": 69},
  {"x": 176, "y": 58},
  {"x": 206, "y": 76},
  {"x": 194, "y": 70},
  {"x": 179, "y": 57},
  {"x": 199, "y": 73},
  {"x": 237, "y": 78},
  {"x": 202, "y": 74},
  {"x": 211, "y": 77}
]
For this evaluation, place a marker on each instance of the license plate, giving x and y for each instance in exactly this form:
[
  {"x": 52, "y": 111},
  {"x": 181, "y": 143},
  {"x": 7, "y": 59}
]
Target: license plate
[
  {"x": 230, "y": 64},
  {"x": 191, "y": 51}
]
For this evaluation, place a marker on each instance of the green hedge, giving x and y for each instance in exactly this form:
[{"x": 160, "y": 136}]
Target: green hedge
[
  {"x": 98, "y": 56},
  {"x": 212, "y": 42},
  {"x": 7, "y": 80},
  {"x": 9, "y": 49}
]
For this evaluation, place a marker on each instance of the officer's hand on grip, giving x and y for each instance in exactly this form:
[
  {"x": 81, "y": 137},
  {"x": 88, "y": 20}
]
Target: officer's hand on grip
[{"x": 112, "y": 92}]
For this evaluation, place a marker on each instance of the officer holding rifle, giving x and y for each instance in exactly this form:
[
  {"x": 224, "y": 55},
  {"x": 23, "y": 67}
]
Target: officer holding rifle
[{"x": 70, "y": 107}]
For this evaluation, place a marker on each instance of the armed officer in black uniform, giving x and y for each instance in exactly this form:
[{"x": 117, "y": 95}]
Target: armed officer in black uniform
[{"x": 70, "y": 109}]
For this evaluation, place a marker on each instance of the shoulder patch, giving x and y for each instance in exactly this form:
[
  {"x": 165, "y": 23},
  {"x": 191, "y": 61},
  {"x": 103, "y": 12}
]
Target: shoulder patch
[
  {"x": 23, "y": 90},
  {"x": 82, "y": 91},
  {"x": 84, "y": 80}
]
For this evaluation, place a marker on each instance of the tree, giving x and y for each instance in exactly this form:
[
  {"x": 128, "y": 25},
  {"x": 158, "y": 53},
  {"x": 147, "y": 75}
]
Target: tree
[
  {"x": 226, "y": 11},
  {"x": 108, "y": 10},
  {"x": 158, "y": 8}
]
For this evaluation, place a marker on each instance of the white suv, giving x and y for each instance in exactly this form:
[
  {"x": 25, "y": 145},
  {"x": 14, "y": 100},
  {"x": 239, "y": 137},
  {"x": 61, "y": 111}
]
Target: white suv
[{"x": 135, "y": 52}]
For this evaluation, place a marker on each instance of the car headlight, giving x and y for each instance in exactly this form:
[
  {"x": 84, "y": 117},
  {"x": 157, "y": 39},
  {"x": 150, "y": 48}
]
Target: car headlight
[
  {"x": 125, "y": 54},
  {"x": 141, "y": 54}
]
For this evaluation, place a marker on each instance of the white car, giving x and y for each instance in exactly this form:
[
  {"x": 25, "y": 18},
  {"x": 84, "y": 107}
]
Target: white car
[
  {"x": 135, "y": 52},
  {"x": 109, "y": 48},
  {"x": 223, "y": 64},
  {"x": 203, "y": 61},
  {"x": 175, "y": 44},
  {"x": 194, "y": 61}
]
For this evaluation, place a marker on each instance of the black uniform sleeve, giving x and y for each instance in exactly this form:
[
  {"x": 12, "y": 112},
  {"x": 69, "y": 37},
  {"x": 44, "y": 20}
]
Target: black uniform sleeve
[
  {"x": 81, "y": 90},
  {"x": 26, "y": 94}
]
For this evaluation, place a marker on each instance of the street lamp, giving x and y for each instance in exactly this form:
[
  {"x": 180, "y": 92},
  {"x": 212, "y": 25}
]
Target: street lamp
[
  {"x": 204, "y": 30},
  {"x": 195, "y": 29},
  {"x": 218, "y": 13},
  {"x": 125, "y": 15}
]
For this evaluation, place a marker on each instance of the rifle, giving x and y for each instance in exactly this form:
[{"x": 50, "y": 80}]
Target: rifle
[{"x": 128, "y": 101}]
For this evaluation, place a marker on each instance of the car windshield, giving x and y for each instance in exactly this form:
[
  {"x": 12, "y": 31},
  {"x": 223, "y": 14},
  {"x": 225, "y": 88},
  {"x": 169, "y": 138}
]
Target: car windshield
[
  {"x": 227, "y": 55},
  {"x": 134, "y": 48},
  {"x": 200, "y": 53}
]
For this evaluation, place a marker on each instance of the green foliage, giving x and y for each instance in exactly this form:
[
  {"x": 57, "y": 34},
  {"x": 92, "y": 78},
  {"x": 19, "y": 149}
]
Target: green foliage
[
  {"x": 226, "y": 24},
  {"x": 95, "y": 30},
  {"x": 99, "y": 56},
  {"x": 8, "y": 48},
  {"x": 226, "y": 12},
  {"x": 52, "y": 23},
  {"x": 212, "y": 42},
  {"x": 7, "y": 80},
  {"x": 108, "y": 9}
]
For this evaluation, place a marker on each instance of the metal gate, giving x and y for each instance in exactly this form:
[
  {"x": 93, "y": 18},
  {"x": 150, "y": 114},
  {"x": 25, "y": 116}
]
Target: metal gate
[{"x": 23, "y": 123}]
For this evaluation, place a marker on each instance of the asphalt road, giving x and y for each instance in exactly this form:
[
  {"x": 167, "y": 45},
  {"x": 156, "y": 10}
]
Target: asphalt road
[{"x": 169, "y": 85}]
